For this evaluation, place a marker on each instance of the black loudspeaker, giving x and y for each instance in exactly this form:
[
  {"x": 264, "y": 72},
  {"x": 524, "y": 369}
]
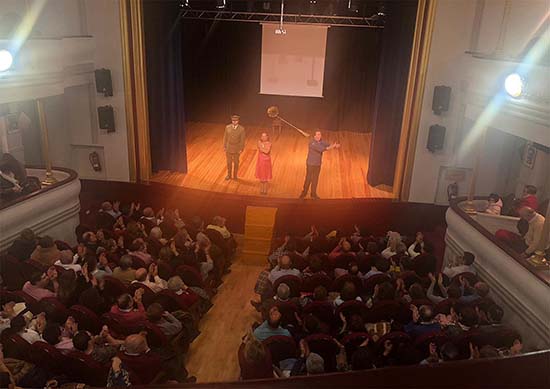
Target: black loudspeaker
[
  {"x": 103, "y": 82},
  {"x": 442, "y": 97},
  {"x": 436, "y": 138},
  {"x": 106, "y": 117}
]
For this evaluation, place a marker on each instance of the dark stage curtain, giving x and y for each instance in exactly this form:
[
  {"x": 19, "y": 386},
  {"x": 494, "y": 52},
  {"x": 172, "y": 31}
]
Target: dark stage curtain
[
  {"x": 165, "y": 85},
  {"x": 222, "y": 76},
  {"x": 391, "y": 90}
]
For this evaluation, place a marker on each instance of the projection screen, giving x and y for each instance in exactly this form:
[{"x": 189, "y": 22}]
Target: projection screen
[{"x": 293, "y": 64}]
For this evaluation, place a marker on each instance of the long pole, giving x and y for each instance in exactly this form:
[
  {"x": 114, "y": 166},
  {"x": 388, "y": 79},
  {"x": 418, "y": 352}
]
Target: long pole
[{"x": 50, "y": 179}]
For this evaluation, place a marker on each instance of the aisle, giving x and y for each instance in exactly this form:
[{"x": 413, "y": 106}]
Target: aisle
[{"x": 212, "y": 356}]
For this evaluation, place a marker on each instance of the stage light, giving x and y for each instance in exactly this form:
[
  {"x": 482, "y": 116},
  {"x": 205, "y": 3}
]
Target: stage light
[
  {"x": 352, "y": 6},
  {"x": 513, "y": 84},
  {"x": 6, "y": 60},
  {"x": 184, "y": 4},
  {"x": 221, "y": 4}
]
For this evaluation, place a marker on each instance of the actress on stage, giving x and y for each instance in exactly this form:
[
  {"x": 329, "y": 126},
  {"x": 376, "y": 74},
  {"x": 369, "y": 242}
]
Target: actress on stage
[{"x": 263, "y": 165}]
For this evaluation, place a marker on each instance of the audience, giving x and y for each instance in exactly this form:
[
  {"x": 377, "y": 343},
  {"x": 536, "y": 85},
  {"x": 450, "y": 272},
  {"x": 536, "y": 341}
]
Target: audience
[{"x": 466, "y": 266}]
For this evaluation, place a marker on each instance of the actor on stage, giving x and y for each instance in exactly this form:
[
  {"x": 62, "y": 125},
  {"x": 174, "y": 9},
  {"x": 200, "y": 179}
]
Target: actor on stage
[
  {"x": 233, "y": 144},
  {"x": 313, "y": 163},
  {"x": 263, "y": 165}
]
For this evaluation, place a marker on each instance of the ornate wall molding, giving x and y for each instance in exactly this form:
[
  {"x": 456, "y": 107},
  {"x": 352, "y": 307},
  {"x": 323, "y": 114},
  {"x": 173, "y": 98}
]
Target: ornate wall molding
[{"x": 54, "y": 212}]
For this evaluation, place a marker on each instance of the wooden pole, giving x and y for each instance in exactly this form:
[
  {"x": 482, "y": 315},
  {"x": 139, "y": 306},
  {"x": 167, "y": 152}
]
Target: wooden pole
[{"x": 50, "y": 179}]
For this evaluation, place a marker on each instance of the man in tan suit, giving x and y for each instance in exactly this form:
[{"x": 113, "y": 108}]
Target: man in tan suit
[{"x": 233, "y": 144}]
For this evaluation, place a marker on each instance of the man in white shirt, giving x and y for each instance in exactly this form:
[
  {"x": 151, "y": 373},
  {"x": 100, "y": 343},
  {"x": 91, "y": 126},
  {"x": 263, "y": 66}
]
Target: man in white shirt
[
  {"x": 67, "y": 260},
  {"x": 151, "y": 279},
  {"x": 527, "y": 244},
  {"x": 284, "y": 268},
  {"x": 467, "y": 266}
]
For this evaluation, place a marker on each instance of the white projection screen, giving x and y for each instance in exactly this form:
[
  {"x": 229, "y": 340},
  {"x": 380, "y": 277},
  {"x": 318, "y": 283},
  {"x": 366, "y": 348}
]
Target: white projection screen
[{"x": 293, "y": 64}]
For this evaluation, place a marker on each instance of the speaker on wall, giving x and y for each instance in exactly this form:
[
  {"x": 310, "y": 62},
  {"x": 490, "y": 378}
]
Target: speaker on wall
[
  {"x": 103, "y": 82},
  {"x": 436, "y": 138},
  {"x": 106, "y": 117},
  {"x": 441, "y": 99}
]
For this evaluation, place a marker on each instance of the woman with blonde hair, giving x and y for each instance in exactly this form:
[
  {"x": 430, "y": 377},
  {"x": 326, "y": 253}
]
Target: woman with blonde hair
[
  {"x": 254, "y": 359},
  {"x": 263, "y": 164}
]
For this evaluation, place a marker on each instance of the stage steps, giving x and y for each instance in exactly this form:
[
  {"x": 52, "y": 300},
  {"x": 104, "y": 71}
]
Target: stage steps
[{"x": 258, "y": 233}]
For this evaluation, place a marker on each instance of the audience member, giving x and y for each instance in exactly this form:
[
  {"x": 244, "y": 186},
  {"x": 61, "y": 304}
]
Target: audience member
[
  {"x": 271, "y": 326},
  {"x": 129, "y": 309},
  {"x": 24, "y": 245},
  {"x": 467, "y": 266},
  {"x": 66, "y": 261},
  {"x": 150, "y": 278},
  {"x": 417, "y": 246},
  {"x": 284, "y": 268},
  {"x": 37, "y": 287},
  {"x": 494, "y": 204},
  {"x": 46, "y": 251},
  {"x": 167, "y": 323},
  {"x": 527, "y": 244},
  {"x": 124, "y": 271}
]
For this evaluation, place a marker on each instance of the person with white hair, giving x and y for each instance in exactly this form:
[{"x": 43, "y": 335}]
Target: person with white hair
[
  {"x": 527, "y": 244},
  {"x": 66, "y": 261}
]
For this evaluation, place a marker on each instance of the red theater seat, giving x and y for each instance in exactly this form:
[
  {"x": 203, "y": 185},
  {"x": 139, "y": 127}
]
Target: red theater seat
[
  {"x": 324, "y": 311},
  {"x": 114, "y": 287},
  {"x": 280, "y": 347},
  {"x": 83, "y": 368},
  {"x": 148, "y": 295},
  {"x": 352, "y": 342},
  {"x": 374, "y": 280},
  {"x": 340, "y": 281},
  {"x": 288, "y": 310},
  {"x": 318, "y": 279},
  {"x": 190, "y": 276},
  {"x": 86, "y": 318},
  {"x": 325, "y": 346}
]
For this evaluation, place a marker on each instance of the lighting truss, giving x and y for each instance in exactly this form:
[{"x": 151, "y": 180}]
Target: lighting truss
[{"x": 259, "y": 17}]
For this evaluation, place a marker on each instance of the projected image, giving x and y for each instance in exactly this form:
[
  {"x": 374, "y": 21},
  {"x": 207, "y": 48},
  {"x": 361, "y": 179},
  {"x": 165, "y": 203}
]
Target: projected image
[{"x": 293, "y": 64}]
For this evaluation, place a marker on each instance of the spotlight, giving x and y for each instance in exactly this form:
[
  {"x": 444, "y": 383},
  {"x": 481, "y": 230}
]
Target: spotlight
[
  {"x": 184, "y": 4},
  {"x": 6, "y": 60},
  {"x": 221, "y": 4},
  {"x": 352, "y": 6},
  {"x": 513, "y": 84}
]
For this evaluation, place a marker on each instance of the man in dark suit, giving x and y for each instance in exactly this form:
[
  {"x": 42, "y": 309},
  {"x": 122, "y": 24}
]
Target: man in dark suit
[
  {"x": 233, "y": 144},
  {"x": 313, "y": 163}
]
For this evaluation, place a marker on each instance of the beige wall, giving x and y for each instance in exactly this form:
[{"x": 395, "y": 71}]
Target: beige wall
[
  {"x": 76, "y": 37},
  {"x": 504, "y": 28}
]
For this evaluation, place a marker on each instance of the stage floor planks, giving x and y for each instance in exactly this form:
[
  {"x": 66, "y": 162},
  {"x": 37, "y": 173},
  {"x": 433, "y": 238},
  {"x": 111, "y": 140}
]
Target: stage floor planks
[{"x": 343, "y": 174}]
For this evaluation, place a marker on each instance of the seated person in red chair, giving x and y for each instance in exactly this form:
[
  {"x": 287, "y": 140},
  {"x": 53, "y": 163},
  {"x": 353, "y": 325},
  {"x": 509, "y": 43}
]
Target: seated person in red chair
[
  {"x": 423, "y": 321},
  {"x": 468, "y": 260},
  {"x": 151, "y": 278},
  {"x": 39, "y": 285},
  {"x": 124, "y": 271},
  {"x": 528, "y": 199},
  {"x": 168, "y": 324},
  {"x": 45, "y": 252},
  {"x": 527, "y": 244},
  {"x": 102, "y": 348},
  {"x": 52, "y": 335},
  {"x": 23, "y": 246},
  {"x": 271, "y": 326},
  {"x": 130, "y": 309},
  {"x": 284, "y": 268},
  {"x": 254, "y": 359},
  {"x": 138, "y": 249},
  {"x": 185, "y": 295}
]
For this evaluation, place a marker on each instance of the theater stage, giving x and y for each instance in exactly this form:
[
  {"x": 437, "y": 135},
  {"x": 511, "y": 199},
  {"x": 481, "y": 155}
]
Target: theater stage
[{"x": 343, "y": 174}]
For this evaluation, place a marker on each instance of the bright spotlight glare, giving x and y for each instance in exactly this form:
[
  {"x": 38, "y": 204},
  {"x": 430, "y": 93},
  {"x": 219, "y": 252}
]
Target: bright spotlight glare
[
  {"x": 6, "y": 59},
  {"x": 514, "y": 85}
]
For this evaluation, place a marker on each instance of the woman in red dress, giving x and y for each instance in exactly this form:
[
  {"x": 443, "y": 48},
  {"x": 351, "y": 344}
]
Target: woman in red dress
[{"x": 263, "y": 165}]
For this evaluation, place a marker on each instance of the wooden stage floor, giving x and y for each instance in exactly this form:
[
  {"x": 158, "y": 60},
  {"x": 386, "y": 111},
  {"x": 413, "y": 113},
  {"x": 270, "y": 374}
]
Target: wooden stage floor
[{"x": 343, "y": 174}]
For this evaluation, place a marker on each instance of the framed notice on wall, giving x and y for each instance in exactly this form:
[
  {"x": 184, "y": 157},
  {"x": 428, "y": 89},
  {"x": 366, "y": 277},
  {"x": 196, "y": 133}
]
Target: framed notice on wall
[{"x": 529, "y": 155}]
